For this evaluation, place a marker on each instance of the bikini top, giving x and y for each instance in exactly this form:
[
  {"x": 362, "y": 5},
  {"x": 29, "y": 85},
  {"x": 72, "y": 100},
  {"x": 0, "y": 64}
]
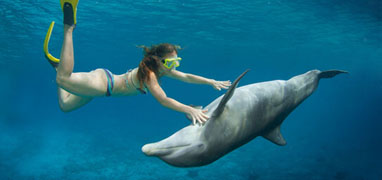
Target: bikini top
[{"x": 142, "y": 91}]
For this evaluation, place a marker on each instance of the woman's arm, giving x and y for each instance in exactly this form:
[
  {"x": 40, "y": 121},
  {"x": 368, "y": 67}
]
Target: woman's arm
[
  {"x": 191, "y": 78},
  {"x": 158, "y": 93}
]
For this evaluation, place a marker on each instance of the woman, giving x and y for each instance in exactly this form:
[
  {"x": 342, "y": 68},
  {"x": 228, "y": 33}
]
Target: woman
[{"x": 77, "y": 89}]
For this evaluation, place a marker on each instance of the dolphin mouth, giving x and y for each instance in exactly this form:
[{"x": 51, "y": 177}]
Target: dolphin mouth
[
  {"x": 175, "y": 147},
  {"x": 161, "y": 151}
]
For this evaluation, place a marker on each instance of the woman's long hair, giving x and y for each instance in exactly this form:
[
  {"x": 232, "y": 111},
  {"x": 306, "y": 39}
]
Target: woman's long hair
[{"x": 152, "y": 59}]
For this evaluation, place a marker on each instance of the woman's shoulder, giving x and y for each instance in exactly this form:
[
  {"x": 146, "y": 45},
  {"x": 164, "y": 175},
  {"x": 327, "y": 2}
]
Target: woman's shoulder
[{"x": 153, "y": 76}]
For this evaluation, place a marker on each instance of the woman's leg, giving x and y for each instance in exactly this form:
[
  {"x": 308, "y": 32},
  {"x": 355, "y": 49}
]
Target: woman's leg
[
  {"x": 69, "y": 102},
  {"x": 76, "y": 89},
  {"x": 65, "y": 68},
  {"x": 88, "y": 84}
]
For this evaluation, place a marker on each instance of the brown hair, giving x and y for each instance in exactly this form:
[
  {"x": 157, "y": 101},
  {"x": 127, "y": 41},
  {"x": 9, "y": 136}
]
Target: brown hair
[{"x": 151, "y": 60}]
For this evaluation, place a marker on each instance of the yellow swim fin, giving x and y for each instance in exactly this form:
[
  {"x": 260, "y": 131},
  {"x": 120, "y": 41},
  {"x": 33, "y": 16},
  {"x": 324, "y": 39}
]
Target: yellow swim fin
[
  {"x": 51, "y": 59},
  {"x": 69, "y": 8}
]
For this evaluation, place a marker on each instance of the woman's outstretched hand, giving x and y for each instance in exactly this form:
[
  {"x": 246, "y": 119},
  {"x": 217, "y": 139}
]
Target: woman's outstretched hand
[
  {"x": 218, "y": 85},
  {"x": 198, "y": 115}
]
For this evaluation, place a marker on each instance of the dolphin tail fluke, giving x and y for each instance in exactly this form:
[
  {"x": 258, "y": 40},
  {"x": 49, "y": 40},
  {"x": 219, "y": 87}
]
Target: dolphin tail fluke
[
  {"x": 330, "y": 73},
  {"x": 275, "y": 136}
]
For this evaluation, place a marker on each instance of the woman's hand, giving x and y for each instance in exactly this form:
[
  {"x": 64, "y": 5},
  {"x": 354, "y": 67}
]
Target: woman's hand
[
  {"x": 198, "y": 115},
  {"x": 218, "y": 85}
]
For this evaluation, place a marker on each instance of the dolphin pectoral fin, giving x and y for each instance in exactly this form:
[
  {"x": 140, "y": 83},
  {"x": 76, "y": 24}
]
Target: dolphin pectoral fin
[{"x": 275, "y": 136}]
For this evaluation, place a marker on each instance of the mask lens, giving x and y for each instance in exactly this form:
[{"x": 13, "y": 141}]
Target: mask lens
[{"x": 172, "y": 62}]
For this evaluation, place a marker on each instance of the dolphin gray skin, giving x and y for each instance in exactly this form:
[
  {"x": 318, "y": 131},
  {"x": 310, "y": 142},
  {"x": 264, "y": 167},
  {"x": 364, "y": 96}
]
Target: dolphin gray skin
[{"x": 236, "y": 118}]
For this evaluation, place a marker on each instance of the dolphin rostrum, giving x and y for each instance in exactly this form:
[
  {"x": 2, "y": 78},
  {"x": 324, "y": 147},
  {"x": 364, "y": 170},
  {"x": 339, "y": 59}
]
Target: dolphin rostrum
[{"x": 236, "y": 118}]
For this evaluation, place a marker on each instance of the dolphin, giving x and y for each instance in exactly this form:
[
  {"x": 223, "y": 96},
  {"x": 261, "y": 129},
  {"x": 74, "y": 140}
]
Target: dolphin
[{"x": 236, "y": 118}]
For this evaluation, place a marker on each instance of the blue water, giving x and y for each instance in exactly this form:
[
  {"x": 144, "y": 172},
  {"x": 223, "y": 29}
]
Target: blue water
[{"x": 334, "y": 134}]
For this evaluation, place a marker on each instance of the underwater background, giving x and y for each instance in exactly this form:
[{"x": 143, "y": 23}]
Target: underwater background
[{"x": 334, "y": 134}]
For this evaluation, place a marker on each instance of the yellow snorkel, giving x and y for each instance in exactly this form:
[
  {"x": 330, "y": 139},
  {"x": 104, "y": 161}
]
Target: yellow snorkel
[
  {"x": 171, "y": 63},
  {"x": 52, "y": 60}
]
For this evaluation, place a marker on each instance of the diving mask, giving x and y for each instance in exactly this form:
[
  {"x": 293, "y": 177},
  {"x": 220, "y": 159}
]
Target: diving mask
[{"x": 171, "y": 63}]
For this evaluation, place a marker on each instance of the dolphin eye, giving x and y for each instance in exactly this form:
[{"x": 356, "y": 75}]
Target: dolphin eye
[{"x": 200, "y": 145}]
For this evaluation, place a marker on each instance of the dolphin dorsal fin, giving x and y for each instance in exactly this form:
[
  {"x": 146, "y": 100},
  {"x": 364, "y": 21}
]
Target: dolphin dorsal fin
[
  {"x": 227, "y": 96},
  {"x": 275, "y": 136}
]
